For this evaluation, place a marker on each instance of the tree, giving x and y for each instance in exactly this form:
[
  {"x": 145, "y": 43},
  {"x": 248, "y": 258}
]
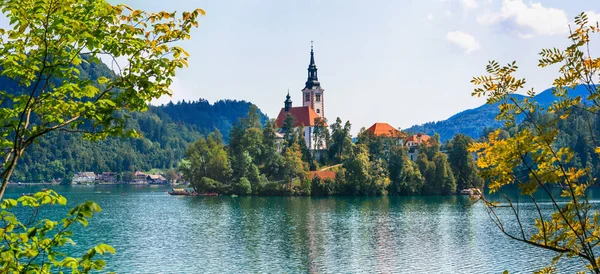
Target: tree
[
  {"x": 206, "y": 158},
  {"x": 341, "y": 142},
  {"x": 463, "y": 165},
  {"x": 293, "y": 166},
  {"x": 406, "y": 179},
  {"x": 46, "y": 48},
  {"x": 532, "y": 159},
  {"x": 320, "y": 133}
]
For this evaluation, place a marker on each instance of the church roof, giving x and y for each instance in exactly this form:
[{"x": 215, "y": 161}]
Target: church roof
[
  {"x": 304, "y": 116},
  {"x": 385, "y": 129}
]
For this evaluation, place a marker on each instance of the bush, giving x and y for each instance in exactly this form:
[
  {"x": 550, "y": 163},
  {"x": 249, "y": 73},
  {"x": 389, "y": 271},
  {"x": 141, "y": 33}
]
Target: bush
[
  {"x": 242, "y": 187},
  {"x": 208, "y": 185}
]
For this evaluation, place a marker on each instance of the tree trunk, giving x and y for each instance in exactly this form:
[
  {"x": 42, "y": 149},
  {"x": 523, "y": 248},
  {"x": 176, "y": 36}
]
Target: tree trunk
[{"x": 9, "y": 171}]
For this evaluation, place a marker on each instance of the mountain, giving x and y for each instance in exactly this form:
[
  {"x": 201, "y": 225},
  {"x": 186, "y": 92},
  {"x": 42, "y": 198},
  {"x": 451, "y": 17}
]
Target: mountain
[
  {"x": 166, "y": 133},
  {"x": 472, "y": 122}
]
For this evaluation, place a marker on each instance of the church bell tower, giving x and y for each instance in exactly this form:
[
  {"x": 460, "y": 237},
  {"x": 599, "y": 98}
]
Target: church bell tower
[{"x": 312, "y": 94}]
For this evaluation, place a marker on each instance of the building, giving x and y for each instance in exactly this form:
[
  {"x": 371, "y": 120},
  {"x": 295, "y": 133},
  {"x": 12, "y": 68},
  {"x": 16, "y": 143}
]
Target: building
[
  {"x": 413, "y": 142},
  {"x": 386, "y": 130},
  {"x": 156, "y": 179},
  {"x": 139, "y": 177},
  {"x": 82, "y": 178},
  {"x": 107, "y": 177},
  {"x": 312, "y": 109}
]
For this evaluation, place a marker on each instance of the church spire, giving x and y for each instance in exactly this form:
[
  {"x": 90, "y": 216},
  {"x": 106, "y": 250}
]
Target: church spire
[
  {"x": 288, "y": 101},
  {"x": 313, "y": 80}
]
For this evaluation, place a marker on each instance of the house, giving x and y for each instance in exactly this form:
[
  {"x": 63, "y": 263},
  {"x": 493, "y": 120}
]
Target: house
[
  {"x": 139, "y": 177},
  {"x": 82, "y": 178},
  {"x": 413, "y": 142},
  {"x": 107, "y": 177},
  {"x": 312, "y": 109},
  {"x": 386, "y": 130},
  {"x": 156, "y": 179}
]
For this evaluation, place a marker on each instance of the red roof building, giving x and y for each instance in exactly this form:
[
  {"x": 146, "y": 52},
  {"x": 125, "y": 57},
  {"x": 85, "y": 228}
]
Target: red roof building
[
  {"x": 385, "y": 129},
  {"x": 304, "y": 116},
  {"x": 417, "y": 139},
  {"x": 327, "y": 174}
]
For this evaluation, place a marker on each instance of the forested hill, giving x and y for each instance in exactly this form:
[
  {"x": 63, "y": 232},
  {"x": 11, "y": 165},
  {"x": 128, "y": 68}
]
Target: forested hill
[
  {"x": 166, "y": 133},
  {"x": 472, "y": 122},
  {"x": 205, "y": 117}
]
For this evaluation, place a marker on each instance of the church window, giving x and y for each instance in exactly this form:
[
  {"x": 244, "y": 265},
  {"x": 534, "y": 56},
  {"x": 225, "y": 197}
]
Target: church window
[
  {"x": 318, "y": 111},
  {"x": 307, "y": 97},
  {"x": 318, "y": 97}
]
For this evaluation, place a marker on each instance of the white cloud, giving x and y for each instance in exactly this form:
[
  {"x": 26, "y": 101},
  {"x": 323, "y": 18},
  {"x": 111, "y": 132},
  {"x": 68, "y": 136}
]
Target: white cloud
[
  {"x": 463, "y": 40},
  {"x": 468, "y": 4},
  {"x": 429, "y": 17},
  {"x": 527, "y": 20},
  {"x": 448, "y": 13}
]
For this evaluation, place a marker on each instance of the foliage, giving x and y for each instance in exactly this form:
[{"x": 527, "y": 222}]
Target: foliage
[
  {"x": 405, "y": 177},
  {"x": 34, "y": 246},
  {"x": 206, "y": 159},
  {"x": 463, "y": 165},
  {"x": 534, "y": 160},
  {"x": 340, "y": 140},
  {"x": 46, "y": 42},
  {"x": 242, "y": 187}
]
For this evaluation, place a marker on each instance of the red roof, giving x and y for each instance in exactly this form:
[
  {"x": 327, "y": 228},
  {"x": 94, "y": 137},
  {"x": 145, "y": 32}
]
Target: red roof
[
  {"x": 327, "y": 174},
  {"x": 304, "y": 116},
  {"x": 419, "y": 138},
  {"x": 384, "y": 129}
]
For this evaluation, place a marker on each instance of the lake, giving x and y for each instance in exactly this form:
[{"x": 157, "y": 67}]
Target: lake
[{"x": 157, "y": 233}]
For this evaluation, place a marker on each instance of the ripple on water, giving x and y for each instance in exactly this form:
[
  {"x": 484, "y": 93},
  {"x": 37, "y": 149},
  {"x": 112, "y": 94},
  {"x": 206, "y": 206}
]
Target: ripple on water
[{"x": 157, "y": 233}]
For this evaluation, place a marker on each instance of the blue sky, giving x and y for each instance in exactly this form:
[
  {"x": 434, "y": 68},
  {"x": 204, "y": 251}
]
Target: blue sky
[{"x": 401, "y": 62}]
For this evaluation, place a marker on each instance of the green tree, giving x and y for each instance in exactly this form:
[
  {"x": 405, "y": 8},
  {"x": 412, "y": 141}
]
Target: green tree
[
  {"x": 463, "y": 165},
  {"x": 406, "y": 179},
  {"x": 569, "y": 227},
  {"x": 206, "y": 158},
  {"x": 341, "y": 142},
  {"x": 293, "y": 166},
  {"x": 41, "y": 53}
]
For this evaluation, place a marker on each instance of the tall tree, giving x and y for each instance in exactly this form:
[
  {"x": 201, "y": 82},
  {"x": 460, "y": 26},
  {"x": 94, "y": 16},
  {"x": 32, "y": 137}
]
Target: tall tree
[
  {"x": 463, "y": 165},
  {"x": 406, "y": 179},
  {"x": 341, "y": 142}
]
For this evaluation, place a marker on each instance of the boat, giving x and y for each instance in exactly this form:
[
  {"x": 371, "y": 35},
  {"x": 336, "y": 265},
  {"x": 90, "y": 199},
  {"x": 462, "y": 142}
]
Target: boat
[
  {"x": 233, "y": 195},
  {"x": 179, "y": 192}
]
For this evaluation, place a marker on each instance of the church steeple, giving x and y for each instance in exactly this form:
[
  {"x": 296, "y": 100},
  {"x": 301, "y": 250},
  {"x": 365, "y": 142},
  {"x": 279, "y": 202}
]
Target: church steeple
[
  {"x": 313, "y": 80},
  {"x": 288, "y": 102}
]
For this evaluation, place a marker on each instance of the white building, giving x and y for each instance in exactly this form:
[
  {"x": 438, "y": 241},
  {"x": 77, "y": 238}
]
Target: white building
[{"x": 84, "y": 178}]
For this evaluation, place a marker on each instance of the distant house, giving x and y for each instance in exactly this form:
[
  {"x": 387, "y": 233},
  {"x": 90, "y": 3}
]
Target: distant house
[
  {"x": 413, "y": 142},
  {"x": 156, "y": 179},
  {"x": 81, "y": 178},
  {"x": 386, "y": 130},
  {"x": 327, "y": 174},
  {"x": 107, "y": 177},
  {"x": 139, "y": 177}
]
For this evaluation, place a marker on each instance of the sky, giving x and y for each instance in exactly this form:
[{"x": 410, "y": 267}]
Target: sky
[{"x": 402, "y": 62}]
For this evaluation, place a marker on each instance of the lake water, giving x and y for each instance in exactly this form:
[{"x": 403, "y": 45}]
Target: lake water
[{"x": 157, "y": 233}]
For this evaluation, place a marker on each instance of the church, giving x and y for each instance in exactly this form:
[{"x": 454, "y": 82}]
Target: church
[{"x": 312, "y": 109}]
